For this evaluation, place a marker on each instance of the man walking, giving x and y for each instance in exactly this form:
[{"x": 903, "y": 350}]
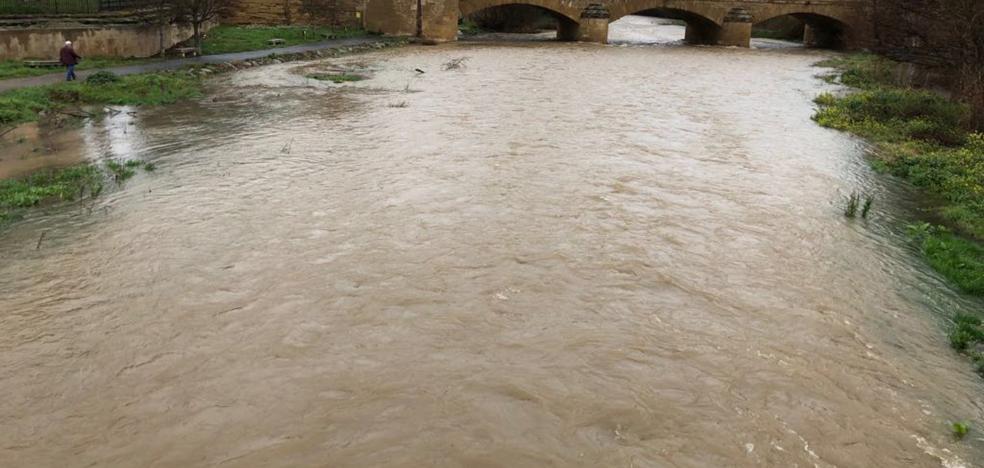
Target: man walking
[{"x": 69, "y": 58}]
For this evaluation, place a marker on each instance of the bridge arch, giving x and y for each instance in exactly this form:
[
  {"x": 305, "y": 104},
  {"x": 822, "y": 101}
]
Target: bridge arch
[
  {"x": 705, "y": 20},
  {"x": 700, "y": 28},
  {"x": 819, "y": 30},
  {"x": 567, "y": 18},
  {"x": 467, "y": 7}
]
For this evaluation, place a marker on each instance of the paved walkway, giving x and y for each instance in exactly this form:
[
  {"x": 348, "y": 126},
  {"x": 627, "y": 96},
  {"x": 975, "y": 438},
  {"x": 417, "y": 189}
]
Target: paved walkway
[{"x": 53, "y": 78}]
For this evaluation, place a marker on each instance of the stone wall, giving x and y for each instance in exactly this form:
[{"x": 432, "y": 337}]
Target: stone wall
[
  {"x": 127, "y": 40},
  {"x": 339, "y": 13}
]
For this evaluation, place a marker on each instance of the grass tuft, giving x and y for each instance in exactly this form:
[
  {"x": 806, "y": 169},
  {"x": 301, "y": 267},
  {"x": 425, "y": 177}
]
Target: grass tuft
[
  {"x": 851, "y": 207},
  {"x": 959, "y": 430},
  {"x": 336, "y": 78},
  {"x": 866, "y": 207}
]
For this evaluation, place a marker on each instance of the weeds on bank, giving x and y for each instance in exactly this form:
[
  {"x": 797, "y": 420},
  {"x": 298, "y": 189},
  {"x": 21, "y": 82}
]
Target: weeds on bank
[
  {"x": 81, "y": 182},
  {"x": 862, "y": 70},
  {"x": 28, "y": 104},
  {"x": 967, "y": 337},
  {"x": 923, "y": 138},
  {"x": 959, "y": 259}
]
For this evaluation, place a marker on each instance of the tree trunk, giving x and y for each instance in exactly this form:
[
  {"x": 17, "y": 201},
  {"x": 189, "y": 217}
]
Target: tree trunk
[
  {"x": 160, "y": 36},
  {"x": 197, "y": 26}
]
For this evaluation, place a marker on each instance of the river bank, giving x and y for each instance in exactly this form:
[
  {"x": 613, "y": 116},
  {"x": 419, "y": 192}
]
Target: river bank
[
  {"x": 36, "y": 124},
  {"x": 220, "y": 40},
  {"x": 922, "y": 137}
]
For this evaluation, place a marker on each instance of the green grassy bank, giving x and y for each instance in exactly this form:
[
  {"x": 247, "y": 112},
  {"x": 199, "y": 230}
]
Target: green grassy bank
[
  {"x": 227, "y": 38},
  {"x": 17, "y": 69},
  {"x": 219, "y": 40},
  {"x": 28, "y": 104},
  {"x": 924, "y": 138},
  {"x": 69, "y": 100}
]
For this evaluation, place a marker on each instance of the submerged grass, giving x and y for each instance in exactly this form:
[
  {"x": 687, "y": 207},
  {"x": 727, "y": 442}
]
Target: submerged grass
[
  {"x": 336, "y": 77},
  {"x": 960, "y": 430},
  {"x": 922, "y": 137},
  {"x": 59, "y": 185},
  {"x": 26, "y": 104},
  {"x": 854, "y": 203},
  {"x": 230, "y": 38},
  {"x": 851, "y": 207}
]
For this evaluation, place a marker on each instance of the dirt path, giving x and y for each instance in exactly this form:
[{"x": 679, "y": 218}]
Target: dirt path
[{"x": 6, "y": 85}]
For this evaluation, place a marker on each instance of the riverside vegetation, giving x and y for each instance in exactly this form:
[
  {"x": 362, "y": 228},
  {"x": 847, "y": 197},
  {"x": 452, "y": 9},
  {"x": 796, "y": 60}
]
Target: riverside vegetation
[
  {"x": 85, "y": 181},
  {"x": 219, "y": 40},
  {"x": 54, "y": 104},
  {"x": 103, "y": 88},
  {"x": 228, "y": 38},
  {"x": 926, "y": 139}
]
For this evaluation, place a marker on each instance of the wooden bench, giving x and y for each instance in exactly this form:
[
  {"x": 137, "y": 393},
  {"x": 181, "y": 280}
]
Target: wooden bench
[
  {"x": 42, "y": 63},
  {"x": 186, "y": 51},
  {"x": 276, "y": 42}
]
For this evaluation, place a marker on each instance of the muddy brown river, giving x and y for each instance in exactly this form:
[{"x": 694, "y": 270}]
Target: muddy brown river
[{"x": 556, "y": 255}]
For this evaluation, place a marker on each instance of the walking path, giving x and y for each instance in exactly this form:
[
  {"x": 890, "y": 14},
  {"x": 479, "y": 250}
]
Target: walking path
[{"x": 171, "y": 64}]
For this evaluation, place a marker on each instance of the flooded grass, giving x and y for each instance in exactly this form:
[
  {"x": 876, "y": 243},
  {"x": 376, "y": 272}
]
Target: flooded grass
[
  {"x": 866, "y": 207},
  {"x": 26, "y": 104},
  {"x": 336, "y": 78},
  {"x": 854, "y": 203},
  {"x": 960, "y": 430},
  {"x": 922, "y": 137},
  {"x": 228, "y": 38},
  {"x": 851, "y": 207},
  {"x": 48, "y": 186},
  {"x": 59, "y": 185}
]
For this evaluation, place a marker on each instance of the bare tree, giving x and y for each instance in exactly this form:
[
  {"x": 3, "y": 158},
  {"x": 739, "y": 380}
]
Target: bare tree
[
  {"x": 201, "y": 12},
  {"x": 164, "y": 16}
]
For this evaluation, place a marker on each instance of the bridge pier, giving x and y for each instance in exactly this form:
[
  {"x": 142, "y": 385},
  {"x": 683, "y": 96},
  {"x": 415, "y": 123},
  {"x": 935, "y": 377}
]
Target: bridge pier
[
  {"x": 594, "y": 24},
  {"x": 736, "y": 30}
]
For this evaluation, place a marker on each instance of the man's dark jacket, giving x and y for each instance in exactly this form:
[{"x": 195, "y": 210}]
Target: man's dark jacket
[{"x": 68, "y": 56}]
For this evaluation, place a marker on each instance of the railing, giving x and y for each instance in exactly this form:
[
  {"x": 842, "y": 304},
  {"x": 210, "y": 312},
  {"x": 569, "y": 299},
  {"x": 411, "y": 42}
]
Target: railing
[{"x": 60, "y": 7}]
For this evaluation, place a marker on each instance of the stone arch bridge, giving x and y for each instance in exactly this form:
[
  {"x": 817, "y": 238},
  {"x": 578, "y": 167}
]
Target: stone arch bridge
[{"x": 829, "y": 23}]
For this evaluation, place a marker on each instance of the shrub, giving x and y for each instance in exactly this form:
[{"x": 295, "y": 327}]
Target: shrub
[{"x": 102, "y": 78}]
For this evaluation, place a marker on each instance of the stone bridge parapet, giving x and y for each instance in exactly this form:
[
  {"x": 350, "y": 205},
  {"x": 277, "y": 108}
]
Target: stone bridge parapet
[{"x": 834, "y": 23}]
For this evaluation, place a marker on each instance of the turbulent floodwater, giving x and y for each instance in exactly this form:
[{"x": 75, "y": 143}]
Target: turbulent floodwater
[{"x": 557, "y": 255}]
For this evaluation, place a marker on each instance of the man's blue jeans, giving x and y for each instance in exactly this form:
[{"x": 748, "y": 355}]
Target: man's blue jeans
[{"x": 70, "y": 75}]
